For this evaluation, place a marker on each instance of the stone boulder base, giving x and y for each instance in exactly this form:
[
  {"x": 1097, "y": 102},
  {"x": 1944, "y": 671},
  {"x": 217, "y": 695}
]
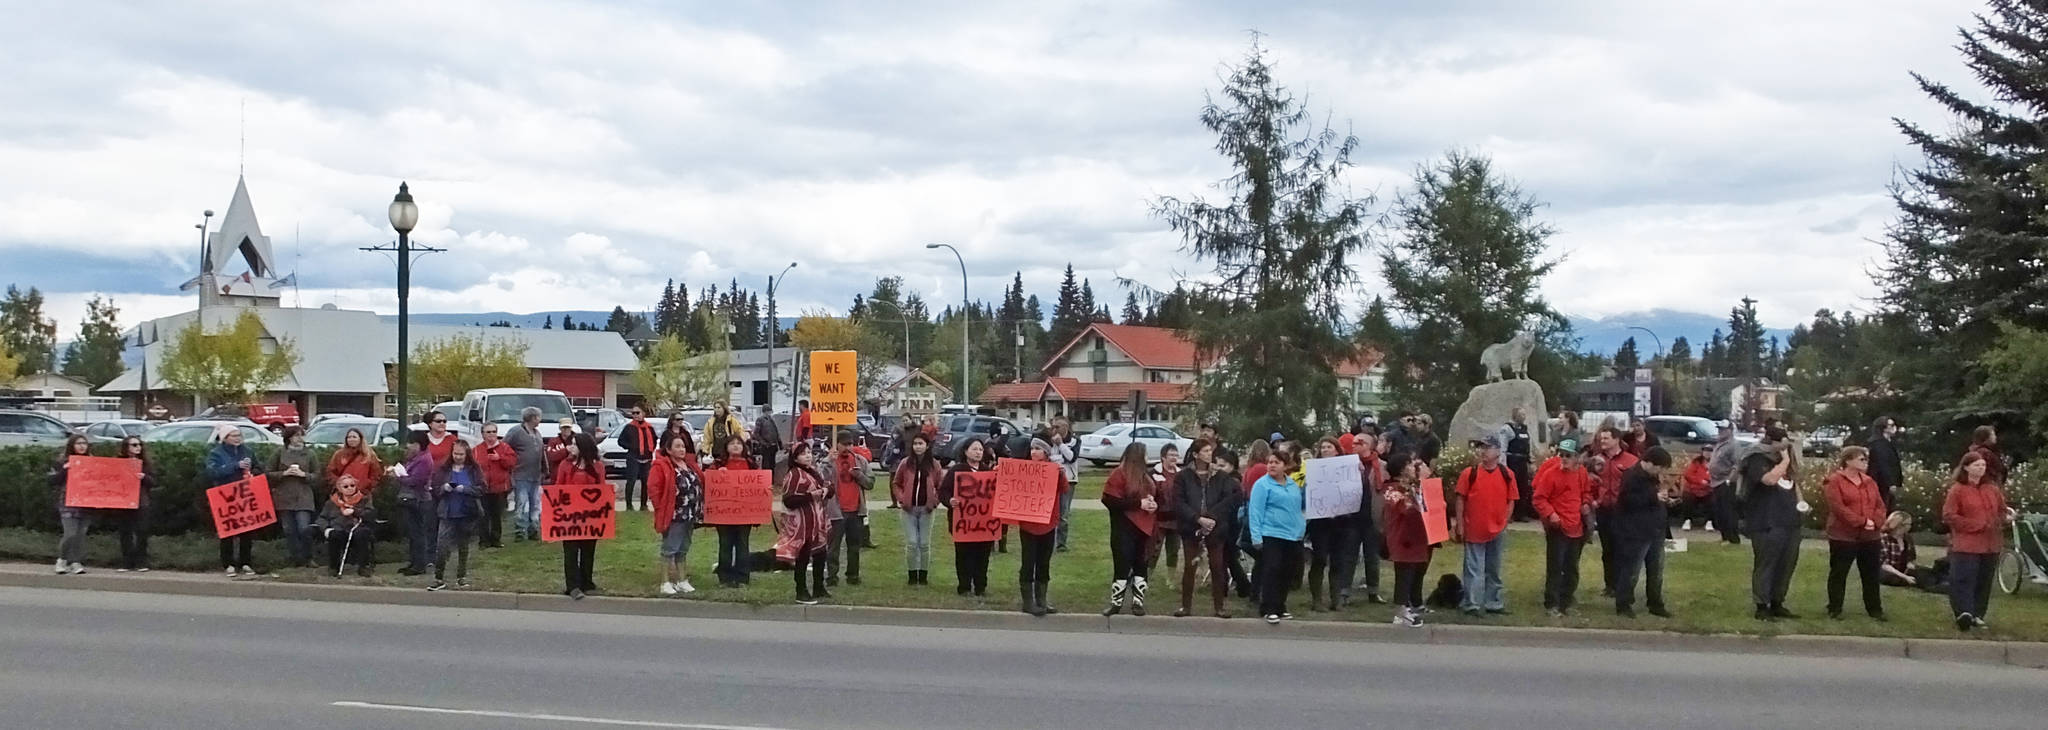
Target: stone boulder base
[{"x": 1488, "y": 408}]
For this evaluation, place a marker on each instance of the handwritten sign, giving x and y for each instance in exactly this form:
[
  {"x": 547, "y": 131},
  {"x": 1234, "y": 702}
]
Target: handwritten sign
[
  {"x": 1335, "y": 486},
  {"x": 1429, "y": 498},
  {"x": 577, "y": 512},
  {"x": 98, "y": 482},
  {"x": 241, "y": 506},
  {"x": 1027, "y": 492},
  {"x": 835, "y": 391},
  {"x": 973, "y": 509},
  {"x": 738, "y": 496}
]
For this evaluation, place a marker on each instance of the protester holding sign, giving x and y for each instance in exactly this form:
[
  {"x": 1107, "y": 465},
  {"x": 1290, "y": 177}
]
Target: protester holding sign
[
  {"x": 847, "y": 473},
  {"x": 227, "y": 463},
  {"x": 1036, "y": 539},
  {"x": 579, "y": 557},
  {"x": 1332, "y": 537},
  {"x": 732, "y": 569},
  {"x": 134, "y": 524},
  {"x": 915, "y": 490},
  {"x": 677, "y": 486},
  {"x": 1207, "y": 498},
  {"x": 291, "y": 476},
  {"x": 807, "y": 529},
  {"x": 75, "y": 520},
  {"x": 1277, "y": 525},
  {"x": 458, "y": 487},
  {"x": 1133, "y": 505},
  {"x": 968, "y": 491},
  {"x": 1408, "y": 543}
]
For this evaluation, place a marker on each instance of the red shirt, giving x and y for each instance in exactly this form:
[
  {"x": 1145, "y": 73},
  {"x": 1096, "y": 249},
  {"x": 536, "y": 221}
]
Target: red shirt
[
  {"x": 1488, "y": 497},
  {"x": 442, "y": 449},
  {"x": 1407, "y": 539},
  {"x": 1252, "y": 475},
  {"x": 1696, "y": 479},
  {"x": 1607, "y": 486},
  {"x": 849, "y": 490},
  {"x": 803, "y": 424},
  {"x": 1117, "y": 491},
  {"x": 496, "y": 463},
  {"x": 1560, "y": 496},
  {"x": 1852, "y": 501},
  {"x": 1046, "y": 528},
  {"x": 1975, "y": 516}
]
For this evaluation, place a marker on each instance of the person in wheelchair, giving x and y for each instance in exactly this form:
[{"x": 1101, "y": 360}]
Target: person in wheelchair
[{"x": 348, "y": 523}]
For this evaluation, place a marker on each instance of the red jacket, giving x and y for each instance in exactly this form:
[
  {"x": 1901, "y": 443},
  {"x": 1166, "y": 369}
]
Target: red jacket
[
  {"x": 1252, "y": 474},
  {"x": 1852, "y": 501},
  {"x": 496, "y": 463},
  {"x": 365, "y": 468},
  {"x": 1696, "y": 479},
  {"x": 559, "y": 450},
  {"x": 1607, "y": 486},
  {"x": 903, "y": 484},
  {"x": 1407, "y": 539},
  {"x": 1042, "y": 529},
  {"x": 567, "y": 473},
  {"x": 1120, "y": 497},
  {"x": 1975, "y": 515},
  {"x": 661, "y": 488},
  {"x": 1560, "y": 496}
]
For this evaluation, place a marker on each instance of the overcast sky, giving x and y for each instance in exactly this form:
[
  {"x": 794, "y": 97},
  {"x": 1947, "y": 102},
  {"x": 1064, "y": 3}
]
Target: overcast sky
[{"x": 576, "y": 155}]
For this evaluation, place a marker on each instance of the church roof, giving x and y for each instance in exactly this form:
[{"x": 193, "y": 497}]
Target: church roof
[{"x": 239, "y": 233}]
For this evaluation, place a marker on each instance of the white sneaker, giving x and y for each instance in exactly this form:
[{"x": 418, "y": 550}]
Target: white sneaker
[
  {"x": 685, "y": 586},
  {"x": 1400, "y": 618},
  {"x": 62, "y": 567},
  {"x": 667, "y": 588},
  {"x": 1687, "y": 526},
  {"x": 248, "y": 571},
  {"x": 231, "y": 572},
  {"x": 1709, "y": 527},
  {"x": 78, "y": 568}
]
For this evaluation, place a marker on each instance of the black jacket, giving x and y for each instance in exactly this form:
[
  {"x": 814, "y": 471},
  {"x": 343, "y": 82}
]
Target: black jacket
[
  {"x": 1215, "y": 498},
  {"x": 1766, "y": 506},
  {"x": 1884, "y": 464},
  {"x": 1639, "y": 514}
]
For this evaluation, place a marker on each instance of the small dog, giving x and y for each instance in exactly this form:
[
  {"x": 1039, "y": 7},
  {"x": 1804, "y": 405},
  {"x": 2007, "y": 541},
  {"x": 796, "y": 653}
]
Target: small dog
[
  {"x": 1450, "y": 591},
  {"x": 765, "y": 562}
]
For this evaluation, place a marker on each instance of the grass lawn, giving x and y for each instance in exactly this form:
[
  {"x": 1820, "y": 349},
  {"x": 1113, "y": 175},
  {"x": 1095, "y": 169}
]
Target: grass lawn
[{"x": 1707, "y": 587}]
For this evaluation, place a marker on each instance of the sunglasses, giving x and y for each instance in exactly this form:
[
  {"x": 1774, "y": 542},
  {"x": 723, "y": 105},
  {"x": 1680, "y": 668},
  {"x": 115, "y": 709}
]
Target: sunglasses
[{"x": 438, "y": 420}]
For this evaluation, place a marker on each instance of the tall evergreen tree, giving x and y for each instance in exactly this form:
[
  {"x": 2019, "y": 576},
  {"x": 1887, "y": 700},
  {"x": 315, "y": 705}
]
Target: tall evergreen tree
[
  {"x": 1745, "y": 342},
  {"x": 1281, "y": 246},
  {"x": 1680, "y": 357},
  {"x": 568, "y": 323},
  {"x": 1068, "y": 316},
  {"x": 1714, "y": 359},
  {"x": 549, "y": 323},
  {"x": 1626, "y": 360},
  {"x": 1132, "y": 313},
  {"x": 31, "y": 336},
  {"x": 96, "y": 356}
]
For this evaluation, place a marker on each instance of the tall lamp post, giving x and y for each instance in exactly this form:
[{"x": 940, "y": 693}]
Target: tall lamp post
[
  {"x": 774, "y": 326},
  {"x": 965, "y": 321},
  {"x": 404, "y": 215}
]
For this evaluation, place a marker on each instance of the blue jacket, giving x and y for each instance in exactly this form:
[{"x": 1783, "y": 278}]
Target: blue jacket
[
  {"x": 224, "y": 463},
  {"x": 461, "y": 502},
  {"x": 1276, "y": 509}
]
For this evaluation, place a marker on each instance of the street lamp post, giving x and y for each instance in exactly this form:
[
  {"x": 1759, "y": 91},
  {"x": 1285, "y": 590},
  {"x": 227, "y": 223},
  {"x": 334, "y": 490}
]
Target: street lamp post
[
  {"x": 774, "y": 327},
  {"x": 905, "y": 316},
  {"x": 404, "y": 215},
  {"x": 729, "y": 331},
  {"x": 964, "y": 322}
]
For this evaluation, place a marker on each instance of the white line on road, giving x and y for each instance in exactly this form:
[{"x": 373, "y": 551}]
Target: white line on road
[{"x": 546, "y": 717}]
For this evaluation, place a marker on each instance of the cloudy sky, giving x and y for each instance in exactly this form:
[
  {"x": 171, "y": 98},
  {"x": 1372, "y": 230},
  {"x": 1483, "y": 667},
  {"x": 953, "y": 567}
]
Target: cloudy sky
[{"x": 576, "y": 155}]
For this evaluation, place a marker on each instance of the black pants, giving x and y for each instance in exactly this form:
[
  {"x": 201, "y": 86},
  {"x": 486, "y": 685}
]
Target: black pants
[
  {"x": 1862, "y": 554},
  {"x": 491, "y": 528},
  {"x": 816, "y": 568},
  {"x": 1234, "y": 563},
  {"x": 1725, "y": 519},
  {"x": 1970, "y": 576},
  {"x": 845, "y": 539},
  {"x": 1698, "y": 510},
  {"x": 636, "y": 473},
  {"x": 1610, "y": 548},
  {"x": 234, "y": 551},
  {"x": 1035, "y": 566},
  {"x": 1331, "y": 554},
  {"x": 454, "y": 540},
  {"x": 1561, "y": 568},
  {"x": 1279, "y": 563},
  {"x": 579, "y": 560},
  {"x": 732, "y": 553},
  {"x": 340, "y": 547},
  {"x": 1774, "y": 554},
  {"x": 970, "y": 563},
  {"x": 1164, "y": 542},
  {"x": 1127, "y": 550},
  {"x": 1408, "y": 583},
  {"x": 134, "y": 536},
  {"x": 1525, "y": 505},
  {"x": 1367, "y": 549},
  {"x": 1644, "y": 557}
]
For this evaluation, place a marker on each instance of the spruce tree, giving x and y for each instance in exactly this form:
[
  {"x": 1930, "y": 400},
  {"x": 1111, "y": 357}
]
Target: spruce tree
[
  {"x": 1133, "y": 315},
  {"x": 96, "y": 356},
  {"x": 1626, "y": 360},
  {"x": 1068, "y": 317}
]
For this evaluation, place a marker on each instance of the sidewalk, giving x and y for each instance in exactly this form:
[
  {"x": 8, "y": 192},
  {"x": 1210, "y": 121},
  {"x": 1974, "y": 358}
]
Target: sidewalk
[{"x": 2018, "y": 654}]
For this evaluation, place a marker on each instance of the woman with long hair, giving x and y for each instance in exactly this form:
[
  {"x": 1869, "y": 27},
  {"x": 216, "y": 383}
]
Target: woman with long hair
[
  {"x": 75, "y": 520},
  {"x": 458, "y": 486},
  {"x": 579, "y": 557},
  {"x": 1976, "y": 514},
  {"x": 676, "y": 484},
  {"x": 1133, "y": 505},
  {"x": 1331, "y": 549},
  {"x": 732, "y": 569},
  {"x": 355, "y": 462},
  {"x": 1277, "y": 524},
  {"x": 291, "y": 475},
  {"x": 1856, "y": 519},
  {"x": 1207, "y": 497},
  {"x": 230, "y": 462},
  {"x": 805, "y": 532},
  {"x": 970, "y": 559},
  {"x": 915, "y": 490},
  {"x": 134, "y": 527}
]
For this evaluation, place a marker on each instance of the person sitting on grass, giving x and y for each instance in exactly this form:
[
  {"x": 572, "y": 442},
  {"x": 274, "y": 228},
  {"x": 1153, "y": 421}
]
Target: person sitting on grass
[
  {"x": 1897, "y": 555},
  {"x": 348, "y": 524},
  {"x": 1697, "y": 507},
  {"x": 678, "y": 492}
]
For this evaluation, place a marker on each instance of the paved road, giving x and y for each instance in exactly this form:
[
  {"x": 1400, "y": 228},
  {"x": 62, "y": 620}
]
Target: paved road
[{"x": 114, "y": 660}]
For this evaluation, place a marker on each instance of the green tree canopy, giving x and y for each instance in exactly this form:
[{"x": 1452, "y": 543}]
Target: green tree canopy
[
  {"x": 96, "y": 356},
  {"x": 229, "y": 365}
]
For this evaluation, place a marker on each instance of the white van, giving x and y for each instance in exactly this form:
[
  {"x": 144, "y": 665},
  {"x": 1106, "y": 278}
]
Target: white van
[{"x": 502, "y": 406}]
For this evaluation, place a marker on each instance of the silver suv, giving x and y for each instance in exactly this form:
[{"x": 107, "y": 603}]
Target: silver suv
[{"x": 29, "y": 428}]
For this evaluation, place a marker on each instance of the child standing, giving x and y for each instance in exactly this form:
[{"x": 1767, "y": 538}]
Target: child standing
[
  {"x": 458, "y": 485},
  {"x": 1408, "y": 542}
]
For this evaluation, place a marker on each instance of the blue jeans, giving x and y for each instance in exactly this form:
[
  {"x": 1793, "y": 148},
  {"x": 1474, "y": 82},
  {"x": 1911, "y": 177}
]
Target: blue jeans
[
  {"x": 1066, "y": 508},
  {"x": 421, "y": 531},
  {"x": 1482, "y": 574},
  {"x": 295, "y": 524},
  {"x": 917, "y": 539},
  {"x": 525, "y": 505}
]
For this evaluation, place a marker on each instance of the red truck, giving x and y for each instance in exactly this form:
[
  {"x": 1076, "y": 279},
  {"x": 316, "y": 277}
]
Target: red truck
[{"x": 273, "y": 416}]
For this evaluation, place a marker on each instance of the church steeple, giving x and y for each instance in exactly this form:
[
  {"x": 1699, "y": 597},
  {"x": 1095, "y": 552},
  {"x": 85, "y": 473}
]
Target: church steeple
[{"x": 239, "y": 234}]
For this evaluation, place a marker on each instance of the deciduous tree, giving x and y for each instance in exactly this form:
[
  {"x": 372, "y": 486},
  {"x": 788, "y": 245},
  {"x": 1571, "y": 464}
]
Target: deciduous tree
[{"x": 228, "y": 365}]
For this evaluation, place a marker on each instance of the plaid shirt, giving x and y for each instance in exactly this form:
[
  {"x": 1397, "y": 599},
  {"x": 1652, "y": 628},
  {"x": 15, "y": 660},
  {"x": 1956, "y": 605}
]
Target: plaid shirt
[{"x": 1897, "y": 552}]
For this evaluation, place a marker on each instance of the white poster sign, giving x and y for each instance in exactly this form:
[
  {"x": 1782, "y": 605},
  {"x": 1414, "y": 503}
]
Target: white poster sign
[{"x": 1334, "y": 486}]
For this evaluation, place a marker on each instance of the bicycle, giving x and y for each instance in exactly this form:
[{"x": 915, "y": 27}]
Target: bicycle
[{"x": 2025, "y": 559}]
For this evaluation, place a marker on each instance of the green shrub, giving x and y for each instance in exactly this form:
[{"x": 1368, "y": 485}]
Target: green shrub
[{"x": 177, "y": 506}]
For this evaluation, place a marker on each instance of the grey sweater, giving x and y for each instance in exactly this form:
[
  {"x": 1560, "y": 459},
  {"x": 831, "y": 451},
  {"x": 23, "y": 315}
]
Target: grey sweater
[{"x": 290, "y": 493}]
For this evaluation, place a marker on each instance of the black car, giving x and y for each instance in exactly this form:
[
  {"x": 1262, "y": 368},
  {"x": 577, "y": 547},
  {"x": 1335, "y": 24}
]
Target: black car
[{"x": 955, "y": 430}]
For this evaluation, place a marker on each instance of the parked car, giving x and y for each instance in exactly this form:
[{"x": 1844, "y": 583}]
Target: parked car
[
  {"x": 116, "y": 430},
  {"x": 333, "y": 431},
  {"x": 29, "y": 428},
  {"x": 1824, "y": 442},
  {"x": 324, "y": 417},
  {"x": 1107, "y": 444},
  {"x": 199, "y": 432},
  {"x": 273, "y": 416},
  {"x": 452, "y": 409},
  {"x": 615, "y": 455},
  {"x": 956, "y": 429},
  {"x": 502, "y": 406},
  {"x": 1688, "y": 431},
  {"x": 601, "y": 421}
]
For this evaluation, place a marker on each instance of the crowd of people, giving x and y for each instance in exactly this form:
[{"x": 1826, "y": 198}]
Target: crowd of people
[{"x": 1210, "y": 511}]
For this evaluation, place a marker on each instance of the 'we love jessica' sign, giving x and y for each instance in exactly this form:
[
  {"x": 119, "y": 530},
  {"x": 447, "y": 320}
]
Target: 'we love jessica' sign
[{"x": 577, "y": 512}]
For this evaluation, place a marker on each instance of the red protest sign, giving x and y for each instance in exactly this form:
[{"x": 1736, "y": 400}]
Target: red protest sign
[
  {"x": 241, "y": 506},
  {"x": 98, "y": 482},
  {"x": 1429, "y": 498},
  {"x": 1027, "y": 491},
  {"x": 577, "y": 512},
  {"x": 973, "y": 508},
  {"x": 738, "y": 496}
]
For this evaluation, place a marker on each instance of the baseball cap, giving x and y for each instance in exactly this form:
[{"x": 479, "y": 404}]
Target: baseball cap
[
  {"x": 1491, "y": 440},
  {"x": 1568, "y": 446},
  {"x": 1275, "y": 438}
]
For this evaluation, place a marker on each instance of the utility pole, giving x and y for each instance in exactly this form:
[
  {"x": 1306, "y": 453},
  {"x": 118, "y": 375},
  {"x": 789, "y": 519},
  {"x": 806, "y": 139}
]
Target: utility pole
[{"x": 1020, "y": 351}]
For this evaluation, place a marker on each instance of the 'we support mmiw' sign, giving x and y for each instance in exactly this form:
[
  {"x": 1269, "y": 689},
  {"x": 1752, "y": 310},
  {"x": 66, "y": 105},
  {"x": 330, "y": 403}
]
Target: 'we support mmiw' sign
[{"x": 835, "y": 391}]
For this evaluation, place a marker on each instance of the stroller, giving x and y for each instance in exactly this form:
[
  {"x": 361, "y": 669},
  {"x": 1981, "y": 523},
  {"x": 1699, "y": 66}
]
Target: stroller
[{"x": 2026, "y": 558}]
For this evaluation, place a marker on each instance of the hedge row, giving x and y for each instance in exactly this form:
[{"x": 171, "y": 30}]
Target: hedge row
[{"x": 178, "y": 505}]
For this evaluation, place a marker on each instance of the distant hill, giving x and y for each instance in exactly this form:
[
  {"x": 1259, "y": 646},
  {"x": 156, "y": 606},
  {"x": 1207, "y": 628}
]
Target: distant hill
[
  {"x": 533, "y": 320},
  {"x": 1605, "y": 334}
]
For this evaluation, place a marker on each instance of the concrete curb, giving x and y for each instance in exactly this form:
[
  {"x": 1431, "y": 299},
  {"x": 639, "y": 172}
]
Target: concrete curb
[{"x": 2032, "y": 655}]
